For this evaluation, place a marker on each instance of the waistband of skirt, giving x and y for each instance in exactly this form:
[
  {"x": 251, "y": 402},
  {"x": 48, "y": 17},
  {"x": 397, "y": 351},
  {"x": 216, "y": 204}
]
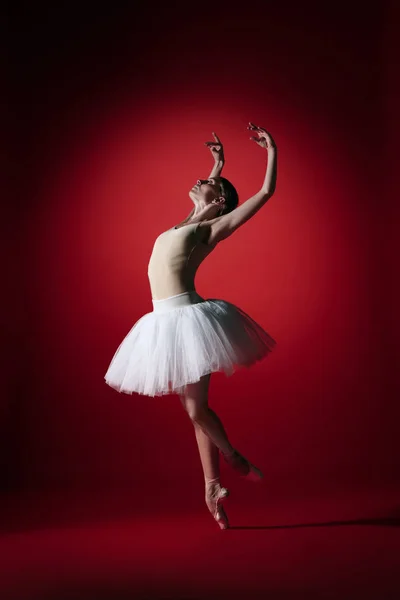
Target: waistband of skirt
[{"x": 176, "y": 301}]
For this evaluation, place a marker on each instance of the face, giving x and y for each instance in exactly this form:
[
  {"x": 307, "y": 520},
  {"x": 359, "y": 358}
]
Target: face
[{"x": 205, "y": 191}]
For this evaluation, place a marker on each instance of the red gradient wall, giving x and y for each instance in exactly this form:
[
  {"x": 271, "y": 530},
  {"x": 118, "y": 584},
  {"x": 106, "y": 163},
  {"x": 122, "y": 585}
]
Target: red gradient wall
[{"x": 116, "y": 109}]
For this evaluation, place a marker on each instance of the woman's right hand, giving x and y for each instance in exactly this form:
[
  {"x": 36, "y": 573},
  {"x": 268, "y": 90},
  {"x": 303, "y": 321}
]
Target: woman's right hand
[{"x": 217, "y": 149}]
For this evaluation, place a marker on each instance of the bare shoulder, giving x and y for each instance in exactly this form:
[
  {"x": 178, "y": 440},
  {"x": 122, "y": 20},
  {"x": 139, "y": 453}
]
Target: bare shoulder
[{"x": 220, "y": 228}]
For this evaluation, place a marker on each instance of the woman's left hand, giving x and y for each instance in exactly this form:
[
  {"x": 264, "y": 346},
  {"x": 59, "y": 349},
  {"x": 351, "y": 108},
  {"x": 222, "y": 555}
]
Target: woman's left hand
[
  {"x": 264, "y": 138},
  {"x": 217, "y": 149}
]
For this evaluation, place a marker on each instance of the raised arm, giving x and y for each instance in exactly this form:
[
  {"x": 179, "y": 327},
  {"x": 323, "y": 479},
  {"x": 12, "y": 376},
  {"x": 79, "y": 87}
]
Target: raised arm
[
  {"x": 217, "y": 150},
  {"x": 224, "y": 226}
]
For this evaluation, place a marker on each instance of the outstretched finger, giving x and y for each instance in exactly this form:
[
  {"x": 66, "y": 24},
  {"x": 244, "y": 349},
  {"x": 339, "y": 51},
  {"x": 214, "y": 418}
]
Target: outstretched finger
[
  {"x": 259, "y": 130},
  {"x": 216, "y": 137}
]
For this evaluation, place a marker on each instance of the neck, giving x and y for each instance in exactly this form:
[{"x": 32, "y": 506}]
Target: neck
[{"x": 203, "y": 214}]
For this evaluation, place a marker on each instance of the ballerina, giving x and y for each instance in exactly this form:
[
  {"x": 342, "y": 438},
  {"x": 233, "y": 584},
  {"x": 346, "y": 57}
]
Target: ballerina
[{"x": 175, "y": 348}]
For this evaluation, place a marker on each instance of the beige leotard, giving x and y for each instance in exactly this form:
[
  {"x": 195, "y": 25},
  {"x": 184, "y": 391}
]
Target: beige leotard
[{"x": 176, "y": 256}]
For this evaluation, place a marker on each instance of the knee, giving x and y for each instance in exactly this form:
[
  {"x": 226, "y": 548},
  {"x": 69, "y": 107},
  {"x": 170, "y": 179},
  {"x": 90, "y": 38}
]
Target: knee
[{"x": 196, "y": 413}]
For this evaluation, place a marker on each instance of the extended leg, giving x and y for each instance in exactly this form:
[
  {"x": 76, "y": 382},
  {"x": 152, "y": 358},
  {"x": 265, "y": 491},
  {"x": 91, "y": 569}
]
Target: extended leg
[
  {"x": 195, "y": 402},
  {"x": 209, "y": 452}
]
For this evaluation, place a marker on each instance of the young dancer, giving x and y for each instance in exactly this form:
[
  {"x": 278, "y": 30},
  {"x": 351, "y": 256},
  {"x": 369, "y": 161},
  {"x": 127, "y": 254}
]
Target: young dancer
[{"x": 175, "y": 348}]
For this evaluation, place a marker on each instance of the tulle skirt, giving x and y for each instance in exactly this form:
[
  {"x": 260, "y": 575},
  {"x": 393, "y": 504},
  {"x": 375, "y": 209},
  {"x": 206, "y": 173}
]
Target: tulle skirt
[{"x": 182, "y": 339}]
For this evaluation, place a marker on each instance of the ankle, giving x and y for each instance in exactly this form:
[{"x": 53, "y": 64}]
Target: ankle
[
  {"x": 213, "y": 481},
  {"x": 230, "y": 453}
]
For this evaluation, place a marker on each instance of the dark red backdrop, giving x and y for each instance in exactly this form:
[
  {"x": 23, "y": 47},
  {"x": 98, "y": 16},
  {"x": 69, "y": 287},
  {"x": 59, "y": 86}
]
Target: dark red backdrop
[{"x": 111, "y": 112}]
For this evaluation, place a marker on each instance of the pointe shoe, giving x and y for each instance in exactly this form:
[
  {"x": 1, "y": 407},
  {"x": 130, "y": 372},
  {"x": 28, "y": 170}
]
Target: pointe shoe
[
  {"x": 215, "y": 495},
  {"x": 221, "y": 518},
  {"x": 243, "y": 466}
]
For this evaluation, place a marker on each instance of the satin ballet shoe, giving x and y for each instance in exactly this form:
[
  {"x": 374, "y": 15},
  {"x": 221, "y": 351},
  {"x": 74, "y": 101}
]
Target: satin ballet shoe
[
  {"x": 221, "y": 518},
  {"x": 243, "y": 466},
  {"x": 215, "y": 496}
]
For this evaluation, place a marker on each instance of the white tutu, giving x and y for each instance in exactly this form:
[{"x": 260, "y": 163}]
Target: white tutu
[{"x": 184, "y": 338}]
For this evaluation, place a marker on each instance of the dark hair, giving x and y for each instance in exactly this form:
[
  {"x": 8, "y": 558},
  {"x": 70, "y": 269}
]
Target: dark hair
[{"x": 230, "y": 194}]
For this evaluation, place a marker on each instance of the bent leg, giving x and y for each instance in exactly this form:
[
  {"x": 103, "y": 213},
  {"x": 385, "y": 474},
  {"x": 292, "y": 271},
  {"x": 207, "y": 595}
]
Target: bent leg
[{"x": 195, "y": 402}]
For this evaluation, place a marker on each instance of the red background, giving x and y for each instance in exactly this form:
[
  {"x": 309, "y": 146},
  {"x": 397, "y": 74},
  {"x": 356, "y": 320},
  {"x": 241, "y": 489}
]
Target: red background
[
  {"x": 107, "y": 117},
  {"x": 113, "y": 111}
]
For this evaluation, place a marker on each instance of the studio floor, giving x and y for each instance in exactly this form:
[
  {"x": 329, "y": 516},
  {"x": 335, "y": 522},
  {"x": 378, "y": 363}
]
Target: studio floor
[{"x": 65, "y": 545}]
